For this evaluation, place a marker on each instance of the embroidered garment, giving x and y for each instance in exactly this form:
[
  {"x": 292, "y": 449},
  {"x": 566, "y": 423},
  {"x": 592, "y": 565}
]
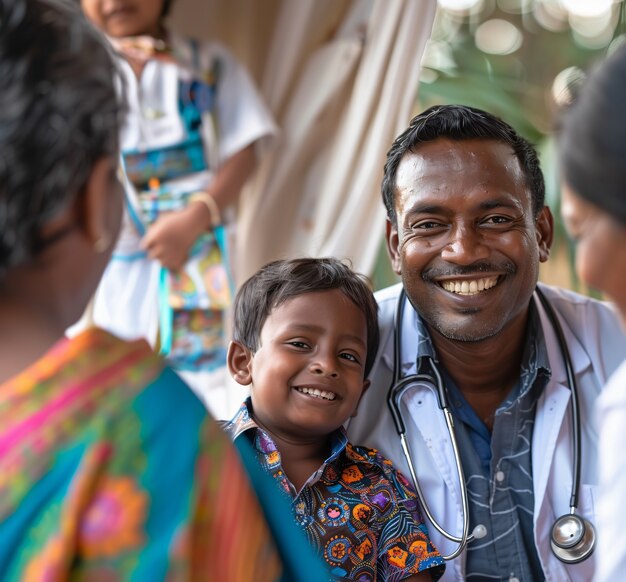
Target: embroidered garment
[
  {"x": 193, "y": 107},
  {"x": 358, "y": 511},
  {"x": 110, "y": 468},
  {"x": 161, "y": 179}
]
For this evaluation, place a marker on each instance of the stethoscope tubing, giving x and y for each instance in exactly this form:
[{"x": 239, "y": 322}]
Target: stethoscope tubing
[
  {"x": 571, "y": 382},
  {"x": 401, "y": 384},
  {"x": 395, "y": 396}
]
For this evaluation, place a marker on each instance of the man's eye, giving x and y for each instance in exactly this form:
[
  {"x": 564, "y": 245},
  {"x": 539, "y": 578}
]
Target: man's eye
[
  {"x": 351, "y": 357},
  {"x": 498, "y": 220},
  {"x": 426, "y": 225}
]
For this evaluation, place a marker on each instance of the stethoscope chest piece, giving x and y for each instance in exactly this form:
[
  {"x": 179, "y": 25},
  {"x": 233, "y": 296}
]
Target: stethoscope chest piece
[{"x": 573, "y": 538}]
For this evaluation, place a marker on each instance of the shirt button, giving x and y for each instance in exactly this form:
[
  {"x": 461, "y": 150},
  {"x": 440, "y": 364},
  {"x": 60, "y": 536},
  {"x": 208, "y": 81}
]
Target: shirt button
[{"x": 499, "y": 478}]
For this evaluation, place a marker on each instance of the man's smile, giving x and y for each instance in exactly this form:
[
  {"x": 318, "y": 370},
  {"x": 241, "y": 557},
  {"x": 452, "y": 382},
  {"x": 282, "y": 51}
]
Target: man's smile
[{"x": 469, "y": 286}]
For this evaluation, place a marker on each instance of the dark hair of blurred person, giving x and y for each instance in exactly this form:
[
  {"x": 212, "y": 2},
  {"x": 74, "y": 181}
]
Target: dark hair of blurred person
[
  {"x": 592, "y": 149},
  {"x": 110, "y": 467}
]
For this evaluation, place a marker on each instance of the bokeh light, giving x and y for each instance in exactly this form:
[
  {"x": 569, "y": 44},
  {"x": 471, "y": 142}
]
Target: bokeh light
[
  {"x": 565, "y": 84},
  {"x": 587, "y": 8},
  {"x": 460, "y": 5},
  {"x": 498, "y": 37}
]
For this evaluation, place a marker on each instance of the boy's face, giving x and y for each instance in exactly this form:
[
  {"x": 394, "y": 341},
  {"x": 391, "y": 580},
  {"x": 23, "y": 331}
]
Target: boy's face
[
  {"x": 119, "y": 18},
  {"x": 308, "y": 373}
]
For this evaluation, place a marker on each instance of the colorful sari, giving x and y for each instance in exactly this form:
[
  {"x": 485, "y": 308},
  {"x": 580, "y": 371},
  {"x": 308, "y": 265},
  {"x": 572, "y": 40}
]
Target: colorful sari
[{"x": 110, "y": 469}]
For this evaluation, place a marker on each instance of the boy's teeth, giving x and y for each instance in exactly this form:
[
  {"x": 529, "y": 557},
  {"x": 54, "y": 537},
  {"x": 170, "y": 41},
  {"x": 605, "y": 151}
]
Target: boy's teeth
[
  {"x": 470, "y": 287},
  {"x": 317, "y": 393}
]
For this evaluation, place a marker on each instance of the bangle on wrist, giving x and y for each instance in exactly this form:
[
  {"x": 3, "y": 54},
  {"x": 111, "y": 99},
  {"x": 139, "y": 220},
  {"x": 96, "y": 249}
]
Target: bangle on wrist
[{"x": 210, "y": 203}]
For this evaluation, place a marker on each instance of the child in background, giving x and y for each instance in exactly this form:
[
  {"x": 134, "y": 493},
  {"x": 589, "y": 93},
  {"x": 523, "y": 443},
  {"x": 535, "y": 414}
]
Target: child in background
[
  {"x": 305, "y": 336},
  {"x": 96, "y": 480},
  {"x": 188, "y": 148}
]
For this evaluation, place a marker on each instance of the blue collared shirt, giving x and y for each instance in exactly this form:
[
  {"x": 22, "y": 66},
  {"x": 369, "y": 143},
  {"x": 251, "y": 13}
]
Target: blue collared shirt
[{"x": 498, "y": 465}]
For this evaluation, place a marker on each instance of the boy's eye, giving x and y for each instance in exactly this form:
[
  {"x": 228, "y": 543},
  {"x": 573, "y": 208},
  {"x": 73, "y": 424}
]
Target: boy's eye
[
  {"x": 350, "y": 357},
  {"x": 298, "y": 344}
]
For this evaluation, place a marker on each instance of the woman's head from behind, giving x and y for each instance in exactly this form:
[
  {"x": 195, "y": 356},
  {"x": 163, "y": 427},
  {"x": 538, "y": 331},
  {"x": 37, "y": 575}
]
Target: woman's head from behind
[
  {"x": 592, "y": 153},
  {"x": 59, "y": 123}
]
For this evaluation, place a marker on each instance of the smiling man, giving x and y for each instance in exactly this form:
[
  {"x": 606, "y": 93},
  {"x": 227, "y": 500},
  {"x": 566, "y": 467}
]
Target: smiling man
[{"x": 467, "y": 229}]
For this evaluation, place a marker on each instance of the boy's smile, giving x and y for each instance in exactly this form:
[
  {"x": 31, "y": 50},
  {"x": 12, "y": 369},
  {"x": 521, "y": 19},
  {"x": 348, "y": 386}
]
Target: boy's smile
[
  {"x": 308, "y": 374},
  {"x": 317, "y": 393}
]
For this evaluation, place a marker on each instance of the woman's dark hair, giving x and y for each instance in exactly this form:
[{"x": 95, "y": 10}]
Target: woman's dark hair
[
  {"x": 59, "y": 113},
  {"x": 592, "y": 138},
  {"x": 280, "y": 281},
  {"x": 459, "y": 122}
]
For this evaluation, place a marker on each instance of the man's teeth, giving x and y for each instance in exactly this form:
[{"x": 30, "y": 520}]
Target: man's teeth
[
  {"x": 470, "y": 287},
  {"x": 317, "y": 393}
]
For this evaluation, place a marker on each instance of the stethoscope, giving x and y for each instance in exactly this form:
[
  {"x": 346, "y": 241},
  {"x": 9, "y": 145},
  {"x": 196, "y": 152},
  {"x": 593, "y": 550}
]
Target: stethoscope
[{"x": 573, "y": 537}]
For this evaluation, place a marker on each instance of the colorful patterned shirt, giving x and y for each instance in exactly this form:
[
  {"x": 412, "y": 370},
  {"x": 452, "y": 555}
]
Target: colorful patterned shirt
[
  {"x": 110, "y": 469},
  {"x": 358, "y": 511}
]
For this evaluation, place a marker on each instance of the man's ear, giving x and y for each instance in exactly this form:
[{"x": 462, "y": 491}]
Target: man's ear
[
  {"x": 366, "y": 385},
  {"x": 545, "y": 233},
  {"x": 239, "y": 360},
  {"x": 392, "y": 247}
]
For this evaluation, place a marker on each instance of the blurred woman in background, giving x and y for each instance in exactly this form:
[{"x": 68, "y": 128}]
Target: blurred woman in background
[{"x": 593, "y": 161}]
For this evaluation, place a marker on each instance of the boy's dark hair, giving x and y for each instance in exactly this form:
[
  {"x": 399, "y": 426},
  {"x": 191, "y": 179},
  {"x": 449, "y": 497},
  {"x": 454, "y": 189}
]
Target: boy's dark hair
[
  {"x": 59, "y": 113},
  {"x": 280, "y": 281},
  {"x": 459, "y": 122}
]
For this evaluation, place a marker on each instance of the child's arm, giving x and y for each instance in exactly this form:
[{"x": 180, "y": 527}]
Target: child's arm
[{"x": 171, "y": 237}]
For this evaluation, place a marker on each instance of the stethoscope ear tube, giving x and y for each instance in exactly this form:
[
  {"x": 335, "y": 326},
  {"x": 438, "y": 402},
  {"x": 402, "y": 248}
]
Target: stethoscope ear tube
[{"x": 394, "y": 396}]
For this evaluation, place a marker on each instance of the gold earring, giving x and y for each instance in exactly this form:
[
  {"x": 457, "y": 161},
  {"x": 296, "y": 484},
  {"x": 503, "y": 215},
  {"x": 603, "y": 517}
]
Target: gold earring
[{"x": 101, "y": 244}]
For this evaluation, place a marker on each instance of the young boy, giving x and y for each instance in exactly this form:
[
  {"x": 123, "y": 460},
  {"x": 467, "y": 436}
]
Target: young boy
[{"x": 305, "y": 336}]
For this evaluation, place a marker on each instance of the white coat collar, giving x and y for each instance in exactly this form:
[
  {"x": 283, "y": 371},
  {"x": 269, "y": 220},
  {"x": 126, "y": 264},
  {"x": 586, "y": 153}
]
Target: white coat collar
[{"x": 578, "y": 355}]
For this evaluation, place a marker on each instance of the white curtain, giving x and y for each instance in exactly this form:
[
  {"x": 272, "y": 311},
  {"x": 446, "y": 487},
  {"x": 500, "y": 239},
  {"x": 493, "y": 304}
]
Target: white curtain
[{"x": 341, "y": 78}]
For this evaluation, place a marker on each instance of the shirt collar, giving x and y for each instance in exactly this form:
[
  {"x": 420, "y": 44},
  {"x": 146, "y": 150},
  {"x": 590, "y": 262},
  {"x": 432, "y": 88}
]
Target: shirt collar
[
  {"x": 535, "y": 350},
  {"x": 415, "y": 340},
  {"x": 143, "y": 48},
  {"x": 417, "y": 346},
  {"x": 243, "y": 422}
]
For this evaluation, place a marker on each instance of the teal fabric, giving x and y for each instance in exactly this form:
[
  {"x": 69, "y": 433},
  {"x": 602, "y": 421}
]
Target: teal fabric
[{"x": 300, "y": 562}]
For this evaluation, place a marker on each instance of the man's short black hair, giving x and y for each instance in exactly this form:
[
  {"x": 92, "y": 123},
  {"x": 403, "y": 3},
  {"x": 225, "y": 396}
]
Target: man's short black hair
[
  {"x": 280, "y": 281},
  {"x": 459, "y": 122}
]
